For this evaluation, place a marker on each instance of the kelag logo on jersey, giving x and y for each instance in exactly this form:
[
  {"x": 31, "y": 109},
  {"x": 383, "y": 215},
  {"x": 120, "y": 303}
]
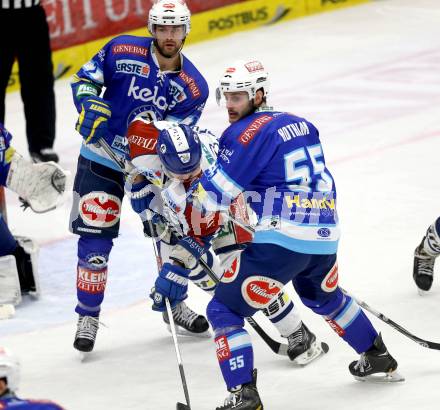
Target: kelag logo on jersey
[
  {"x": 146, "y": 95},
  {"x": 133, "y": 67}
]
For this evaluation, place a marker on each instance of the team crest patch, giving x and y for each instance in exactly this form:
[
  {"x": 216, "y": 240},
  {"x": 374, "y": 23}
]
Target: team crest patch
[
  {"x": 258, "y": 291},
  {"x": 330, "y": 282}
]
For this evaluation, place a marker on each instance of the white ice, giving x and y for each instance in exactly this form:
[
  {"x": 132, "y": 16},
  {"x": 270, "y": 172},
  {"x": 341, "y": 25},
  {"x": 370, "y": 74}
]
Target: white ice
[{"x": 369, "y": 78}]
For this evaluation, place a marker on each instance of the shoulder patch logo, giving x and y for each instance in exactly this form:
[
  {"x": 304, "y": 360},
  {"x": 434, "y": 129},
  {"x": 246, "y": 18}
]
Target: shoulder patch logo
[
  {"x": 192, "y": 86},
  {"x": 251, "y": 130}
]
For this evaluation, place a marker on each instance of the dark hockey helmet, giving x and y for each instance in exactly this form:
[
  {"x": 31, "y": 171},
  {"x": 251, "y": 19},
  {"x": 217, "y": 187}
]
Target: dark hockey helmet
[{"x": 179, "y": 150}]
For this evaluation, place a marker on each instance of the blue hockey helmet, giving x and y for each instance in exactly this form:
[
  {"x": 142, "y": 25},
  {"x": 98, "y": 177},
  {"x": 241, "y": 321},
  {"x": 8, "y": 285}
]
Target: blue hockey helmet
[{"x": 178, "y": 147}]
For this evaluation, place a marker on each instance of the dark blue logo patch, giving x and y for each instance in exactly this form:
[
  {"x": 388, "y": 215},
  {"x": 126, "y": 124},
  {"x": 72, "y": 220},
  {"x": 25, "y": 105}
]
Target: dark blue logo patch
[{"x": 324, "y": 232}]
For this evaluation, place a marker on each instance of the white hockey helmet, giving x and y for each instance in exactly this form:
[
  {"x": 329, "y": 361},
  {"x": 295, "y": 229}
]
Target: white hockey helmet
[
  {"x": 248, "y": 76},
  {"x": 9, "y": 368},
  {"x": 169, "y": 13}
]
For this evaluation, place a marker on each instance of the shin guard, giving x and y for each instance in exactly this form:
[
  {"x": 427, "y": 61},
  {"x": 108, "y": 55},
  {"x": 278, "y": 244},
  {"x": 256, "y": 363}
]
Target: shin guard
[{"x": 92, "y": 274}]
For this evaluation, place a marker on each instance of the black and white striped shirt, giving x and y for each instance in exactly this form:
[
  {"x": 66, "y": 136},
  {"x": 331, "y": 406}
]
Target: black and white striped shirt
[{"x": 18, "y": 4}]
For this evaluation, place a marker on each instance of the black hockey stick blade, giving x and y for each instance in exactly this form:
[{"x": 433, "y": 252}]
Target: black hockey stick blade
[
  {"x": 276, "y": 347},
  {"x": 181, "y": 406},
  {"x": 394, "y": 325}
]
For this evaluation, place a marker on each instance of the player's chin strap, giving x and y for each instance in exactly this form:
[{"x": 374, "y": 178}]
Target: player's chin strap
[
  {"x": 374, "y": 312},
  {"x": 128, "y": 168}
]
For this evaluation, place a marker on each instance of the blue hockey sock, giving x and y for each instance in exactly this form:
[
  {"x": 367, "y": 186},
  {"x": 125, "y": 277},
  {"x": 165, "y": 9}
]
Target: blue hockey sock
[
  {"x": 351, "y": 323},
  {"x": 93, "y": 254},
  {"x": 235, "y": 356}
]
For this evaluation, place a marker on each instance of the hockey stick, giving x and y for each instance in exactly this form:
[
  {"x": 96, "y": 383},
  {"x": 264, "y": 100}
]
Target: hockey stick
[
  {"x": 127, "y": 167},
  {"x": 393, "y": 324},
  {"x": 179, "y": 406},
  {"x": 276, "y": 347}
]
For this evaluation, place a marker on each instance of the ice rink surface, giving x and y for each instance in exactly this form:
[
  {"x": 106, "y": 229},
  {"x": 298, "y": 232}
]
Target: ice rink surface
[{"x": 369, "y": 78}]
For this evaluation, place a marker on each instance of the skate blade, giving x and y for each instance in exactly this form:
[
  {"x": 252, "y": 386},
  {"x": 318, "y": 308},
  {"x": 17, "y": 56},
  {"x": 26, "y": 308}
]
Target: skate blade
[
  {"x": 316, "y": 350},
  {"x": 83, "y": 356},
  {"x": 181, "y": 331},
  {"x": 391, "y": 377},
  {"x": 422, "y": 292}
]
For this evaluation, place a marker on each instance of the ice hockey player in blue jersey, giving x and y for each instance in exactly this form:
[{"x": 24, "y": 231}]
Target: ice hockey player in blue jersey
[
  {"x": 276, "y": 160},
  {"x": 184, "y": 153},
  {"x": 128, "y": 77},
  {"x": 39, "y": 187},
  {"x": 9, "y": 382},
  {"x": 424, "y": 257}
]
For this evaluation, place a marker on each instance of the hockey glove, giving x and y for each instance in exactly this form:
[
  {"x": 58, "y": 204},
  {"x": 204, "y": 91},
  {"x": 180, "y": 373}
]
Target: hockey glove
[
  {"x": 189, "y": 250},
  {"x": 40, "y": 186},
  {"x": 141, "y": 196},
  {"x": 172, "y": 283},
  {"x": 93, "y": 119},
  {"x": 156, "y": 227}
]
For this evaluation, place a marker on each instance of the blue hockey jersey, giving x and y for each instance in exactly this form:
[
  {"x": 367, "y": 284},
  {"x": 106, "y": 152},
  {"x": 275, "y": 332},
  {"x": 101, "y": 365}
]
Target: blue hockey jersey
[
  {"x": 11, "y": 402},
  {"x": 127, "y": 70},
  {"x": 276, "y": 160},
  {"x": 5, "y": 153}
]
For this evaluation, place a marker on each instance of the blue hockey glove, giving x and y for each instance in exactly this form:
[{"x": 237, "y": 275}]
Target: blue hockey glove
[
  {"x": 93, "y": 119},
  {"x": 141, "y": 196},
  {"x": 172, "y": 283}
]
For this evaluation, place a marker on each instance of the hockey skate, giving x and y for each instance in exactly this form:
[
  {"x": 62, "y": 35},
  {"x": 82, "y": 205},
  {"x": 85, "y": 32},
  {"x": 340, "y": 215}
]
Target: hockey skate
[
  {"x": 188, "y": 322},
  {"x": 246, "y": 398},
  {"x": 376, "y": 365},
  {"x": 85, "y": 336},
  {"x": 303, "y": 347},
  {"x": 423, "y": 271}
]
